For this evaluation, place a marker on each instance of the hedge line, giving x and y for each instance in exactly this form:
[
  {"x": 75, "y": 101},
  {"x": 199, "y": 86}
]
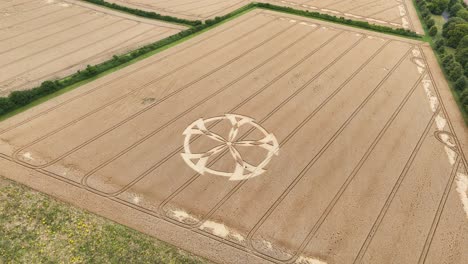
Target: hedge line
[
  {"x": 455, "y": 72},
  {"x": 341, "y": 20},
  {"x": 19, "y": 99},
  {"x": 305, "y": 13},
  {"x": 146, "y": 14}
]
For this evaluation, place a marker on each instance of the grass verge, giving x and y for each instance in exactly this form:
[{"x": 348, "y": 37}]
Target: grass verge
[{"x": 37, "y": 229}]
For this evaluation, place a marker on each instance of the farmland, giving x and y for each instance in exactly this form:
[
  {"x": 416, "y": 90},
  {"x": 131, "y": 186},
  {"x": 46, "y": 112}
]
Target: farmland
[
  {"x": 393, "y": 13},
  {"x": 43, "y": 40},
  {"x": 271, "y": 138}
]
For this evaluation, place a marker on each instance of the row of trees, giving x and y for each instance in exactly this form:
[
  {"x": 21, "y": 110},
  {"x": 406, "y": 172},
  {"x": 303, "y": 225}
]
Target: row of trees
[
  {"x": 341, "y": 20},
  {"x": 454, "y": 35},
  {"x": 19, "y": 99},
  {"x": 147, "y": 14}
]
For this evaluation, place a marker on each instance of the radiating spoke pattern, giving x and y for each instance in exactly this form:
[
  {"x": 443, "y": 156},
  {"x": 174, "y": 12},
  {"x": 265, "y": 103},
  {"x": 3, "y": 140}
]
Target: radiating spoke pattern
[{"x": 201, "y": 162}]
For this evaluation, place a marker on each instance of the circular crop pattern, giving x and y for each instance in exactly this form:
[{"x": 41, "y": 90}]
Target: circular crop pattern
[{"x": 266, "y": 147}]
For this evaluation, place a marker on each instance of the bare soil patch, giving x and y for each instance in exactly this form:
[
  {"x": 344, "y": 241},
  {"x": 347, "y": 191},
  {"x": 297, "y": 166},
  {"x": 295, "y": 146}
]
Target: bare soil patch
[{"x": 269, "y": 139}]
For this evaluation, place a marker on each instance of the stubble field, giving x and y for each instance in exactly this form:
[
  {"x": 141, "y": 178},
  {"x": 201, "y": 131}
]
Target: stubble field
[
  {"x": 271, "y": 138},
  {"x": 391, "y": 13}
]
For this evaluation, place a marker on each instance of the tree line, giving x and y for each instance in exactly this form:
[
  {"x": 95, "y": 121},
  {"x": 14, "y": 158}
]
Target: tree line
[
  {"x": 454, "y": 35},
  {"x": 22, "y": 98}
]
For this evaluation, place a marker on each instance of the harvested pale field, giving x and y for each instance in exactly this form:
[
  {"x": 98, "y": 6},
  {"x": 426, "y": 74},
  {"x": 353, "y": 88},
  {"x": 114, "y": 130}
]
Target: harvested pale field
[
  {"x": 267, "y": 139},
  {"x": 187, "y": 9},
  {"x": 48, "y": 39},
  {"x": 392, "y": 13}
]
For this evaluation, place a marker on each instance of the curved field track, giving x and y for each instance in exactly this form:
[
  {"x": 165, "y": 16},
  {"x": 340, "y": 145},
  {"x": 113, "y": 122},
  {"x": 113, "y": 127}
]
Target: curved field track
[
  {"x": 268, "y": 139},
  {"x": 47, "y": 39},
  {"x": 391, "y": 13}
]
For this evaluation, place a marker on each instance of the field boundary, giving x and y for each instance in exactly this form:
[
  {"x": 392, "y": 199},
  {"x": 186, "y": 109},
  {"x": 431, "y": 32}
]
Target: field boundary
[
  {"x": 340, "y": 20},
  {"x": 19, "y": 101},
  {"x": 146, "y": 14},
  {"x": 430, "y": 40}
]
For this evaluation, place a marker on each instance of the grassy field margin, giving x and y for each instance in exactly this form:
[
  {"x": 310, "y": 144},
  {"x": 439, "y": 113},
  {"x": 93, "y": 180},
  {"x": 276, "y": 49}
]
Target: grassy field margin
[{"x": 35, "y": 228}]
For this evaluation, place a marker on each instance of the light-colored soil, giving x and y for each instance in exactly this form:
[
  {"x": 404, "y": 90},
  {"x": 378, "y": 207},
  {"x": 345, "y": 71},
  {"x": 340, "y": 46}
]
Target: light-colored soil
[
  {"x": 369, "y": 165},
  {"x": 392, "y": 13},
  {"x": 48, "y": 39}
]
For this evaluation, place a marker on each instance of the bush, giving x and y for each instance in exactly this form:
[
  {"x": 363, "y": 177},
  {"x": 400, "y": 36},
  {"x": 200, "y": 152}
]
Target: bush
[
  {"x": 450, "y": 24},
  {"x": 455, "y": 35},
  {"x": 447, "y": 60},
  {"x": 464, "y": 99},
  {"x": 460, "y": 84},
  {"x": 6, "y": 105},
  {"x": 463, "y": 14},
  {"x": 455, "y": 8},
  {"x": 456, "y": 71},
  {"x": 433, "y": 31},
  {"x": 440, "y": 42},
  {"x": 453, "y": 2},
  {"x": 429, "y": 22},
  {"x": 441, "y": 50},
  {"x": 462, "y": 55},
  {"x": 438, "y": 6}
]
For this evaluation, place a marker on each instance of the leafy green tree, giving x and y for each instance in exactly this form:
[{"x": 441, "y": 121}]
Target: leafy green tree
[
  {"x": 462, "y": 55},
  {"x": 430, "y": 22},
  {"x": 463, "y": 42},
  {"x": 433, "y": 31},
  {"x": 438, "y": 6},
  {"x": 460, "y": 84},
  {"x": 456, "y": 71},
  {"x": 464, "y": 98},
  {"x": 447, "y": 60},
  {"x": 441, "y": 50},
  {"x": 440, "y": 42},
  {"x": 6, "y": 105},
  {"x": 453, "y": 2},
  {"x": 463, "y": 14},
  {"x": 455, "y": 8},
  {"x": 455, "y": 35},
  {"x": 450, "y": 24}
]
